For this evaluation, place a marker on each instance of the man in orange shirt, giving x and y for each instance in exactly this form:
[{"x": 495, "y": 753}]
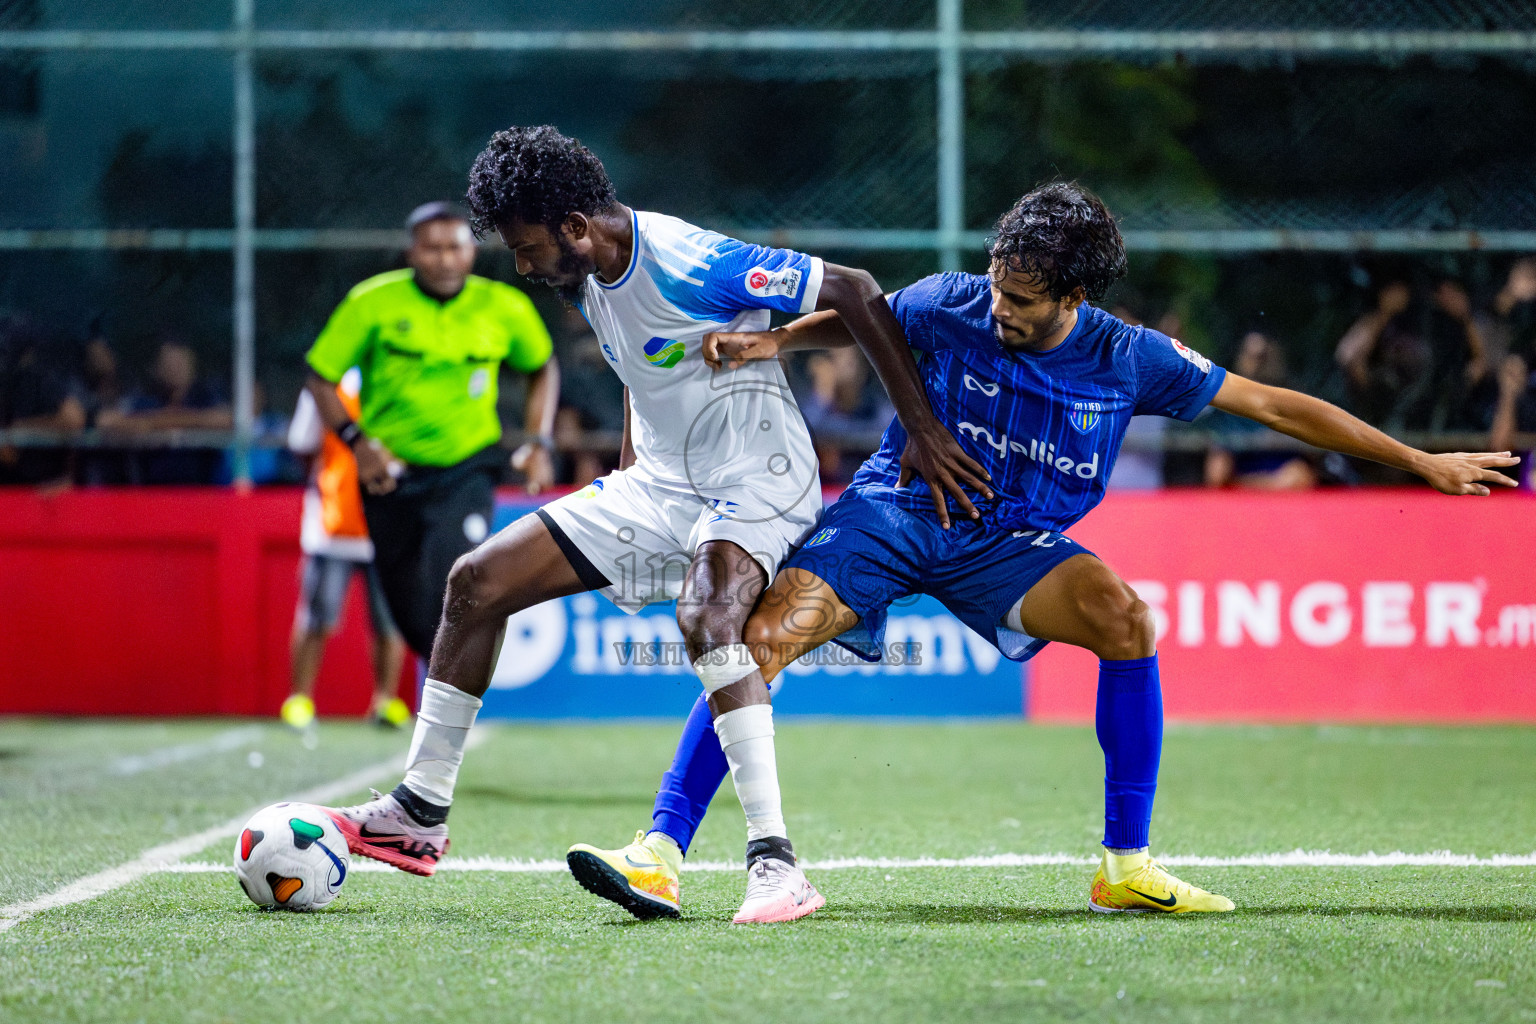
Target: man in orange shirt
[{"x": 336, "y": 547}]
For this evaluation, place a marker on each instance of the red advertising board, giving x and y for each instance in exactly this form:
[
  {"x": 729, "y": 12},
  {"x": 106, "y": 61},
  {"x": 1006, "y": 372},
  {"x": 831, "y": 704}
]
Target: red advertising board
[
  {"x": 1335, "y": 606},
  {"x": 1362, "y": 605}
]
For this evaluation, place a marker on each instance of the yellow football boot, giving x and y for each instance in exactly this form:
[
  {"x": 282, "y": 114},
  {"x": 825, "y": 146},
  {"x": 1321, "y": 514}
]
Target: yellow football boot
[
  {"x": 1141, "y": 885},
  {"x": 641, "y": 877},
  {"x": 298, "y": 712},
  {"x": 394, "y": 714}
]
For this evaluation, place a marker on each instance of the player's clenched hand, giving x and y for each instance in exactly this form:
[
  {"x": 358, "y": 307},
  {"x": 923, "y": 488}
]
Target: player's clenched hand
[
  {"x": 538, "y": 469},
  {"x": 1467, "y": 473},
  {"x": 377, "y": 468},
  {"x": 933, "y": 454},
  {"x": 723, "y": 351}
]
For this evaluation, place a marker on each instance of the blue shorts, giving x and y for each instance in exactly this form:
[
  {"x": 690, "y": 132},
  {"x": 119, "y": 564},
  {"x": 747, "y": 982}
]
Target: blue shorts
[{"x": 872, "y": 553}]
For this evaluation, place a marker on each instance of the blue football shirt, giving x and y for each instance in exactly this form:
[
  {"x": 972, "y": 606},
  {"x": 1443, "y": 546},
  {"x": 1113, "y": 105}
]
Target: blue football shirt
[{"x": 1046, "y": 425}]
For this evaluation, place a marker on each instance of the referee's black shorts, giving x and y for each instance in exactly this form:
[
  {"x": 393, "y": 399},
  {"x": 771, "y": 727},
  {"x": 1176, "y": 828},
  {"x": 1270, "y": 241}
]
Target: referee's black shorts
[{"x": 421, "y": 527}]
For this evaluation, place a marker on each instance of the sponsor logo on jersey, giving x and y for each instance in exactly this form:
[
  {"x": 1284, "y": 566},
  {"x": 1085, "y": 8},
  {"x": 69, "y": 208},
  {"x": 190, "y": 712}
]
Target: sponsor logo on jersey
[
  {"x": 763, "y": 282},
  {"x": 664, "y": 352},
  {"x": 1085, "y": 416},
  {"x": 1036, "y": 451},
  {"x": 822, "y": 536},
  {"x": 1190, "y": 354},
  {"x": 972, "y": 384}
]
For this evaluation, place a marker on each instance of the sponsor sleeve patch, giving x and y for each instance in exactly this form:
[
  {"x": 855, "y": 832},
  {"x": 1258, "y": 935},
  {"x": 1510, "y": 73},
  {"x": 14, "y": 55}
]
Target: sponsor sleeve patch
[
  {"x": 765, "y": 283},
  {"x": 1191, "y": 355}
]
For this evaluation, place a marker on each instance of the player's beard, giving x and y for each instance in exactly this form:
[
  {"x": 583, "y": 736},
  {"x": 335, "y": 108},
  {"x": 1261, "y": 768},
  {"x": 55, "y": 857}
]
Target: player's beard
[
  {"x": 571, "y": 271},
  {"x": 1012, "y": 337}
]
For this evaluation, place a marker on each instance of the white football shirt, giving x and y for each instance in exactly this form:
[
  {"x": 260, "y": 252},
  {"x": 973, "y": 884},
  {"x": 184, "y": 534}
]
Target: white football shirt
[{"x": 693, "y": 428}]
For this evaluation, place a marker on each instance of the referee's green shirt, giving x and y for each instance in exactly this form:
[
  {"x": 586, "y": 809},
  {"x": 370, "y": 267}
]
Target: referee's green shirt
[{"x": 429, "y": 367}]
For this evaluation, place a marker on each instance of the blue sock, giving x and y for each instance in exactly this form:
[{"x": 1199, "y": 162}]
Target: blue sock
[
  {"x": 698, "y": 768},
  {"x": 1129, "y": 723}
]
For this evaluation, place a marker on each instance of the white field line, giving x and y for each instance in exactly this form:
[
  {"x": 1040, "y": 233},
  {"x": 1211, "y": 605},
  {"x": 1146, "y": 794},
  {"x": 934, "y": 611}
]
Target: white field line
[
  {"x": 229, "y": 739},
  {"x": 1294, "y": 859},
  {"x": 166, "y": 857}
]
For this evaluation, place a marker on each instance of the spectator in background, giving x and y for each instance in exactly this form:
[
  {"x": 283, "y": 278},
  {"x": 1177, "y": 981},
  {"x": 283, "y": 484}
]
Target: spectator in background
[
  {"x": 592, "y": 399},
  {"x": 1417, "y": 368},
  {"x": 840, "y": 401},
  {"x": 1385, "y": 361},
  {"x": 33, "y": 396},
  {"x": 1459, "y": 367},
  {"x": 1261, "y": 359},
  {"x": 100, "y": 389},
  {"x": 336, "y": 548},
  {"x": 1515, "y": 310},
  {"x": 178, "y": 399}
]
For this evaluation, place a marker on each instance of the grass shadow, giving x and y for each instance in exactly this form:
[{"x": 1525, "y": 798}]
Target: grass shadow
[
  {"x": 555, "y": 798},
  {"x": 1492, "y": 914}
]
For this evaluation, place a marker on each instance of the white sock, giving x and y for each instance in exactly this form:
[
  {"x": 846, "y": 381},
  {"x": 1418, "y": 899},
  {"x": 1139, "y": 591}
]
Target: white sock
[
  {"x": 746, "y": 736},
  {"x": 437, "y": 749}
]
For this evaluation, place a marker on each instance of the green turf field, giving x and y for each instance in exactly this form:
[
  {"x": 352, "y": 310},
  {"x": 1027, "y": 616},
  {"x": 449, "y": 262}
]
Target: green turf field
[{"x": 894, "y": 943}]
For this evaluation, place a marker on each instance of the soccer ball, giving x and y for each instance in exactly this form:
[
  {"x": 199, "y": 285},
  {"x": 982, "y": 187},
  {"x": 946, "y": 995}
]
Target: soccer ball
[{"x": 291, "y": 857}]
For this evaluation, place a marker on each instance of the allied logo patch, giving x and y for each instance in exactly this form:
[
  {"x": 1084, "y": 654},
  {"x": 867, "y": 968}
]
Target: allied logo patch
[
  {"x": 763, "y": 282},
  {"x": 1085, "y": 416},
  {"x": 664, "y": 352},
  {"x": 822, "y": 536}
]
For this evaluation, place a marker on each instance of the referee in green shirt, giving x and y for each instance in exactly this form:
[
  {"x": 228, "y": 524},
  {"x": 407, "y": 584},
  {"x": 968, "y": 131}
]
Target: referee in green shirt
[{"x": 429, "y": 341}]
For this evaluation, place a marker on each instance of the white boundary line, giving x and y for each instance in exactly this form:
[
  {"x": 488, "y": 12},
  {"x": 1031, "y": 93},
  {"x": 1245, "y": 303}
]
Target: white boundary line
[
  {"x": 229, "y": 739},
  {"x": 166, "y": 856},
  {"x": 1296, "y": 859}
]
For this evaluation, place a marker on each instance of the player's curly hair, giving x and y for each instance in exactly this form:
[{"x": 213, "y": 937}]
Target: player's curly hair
[
  {"x": 1062, "y": 235},
  {"x": 537, "y": 176}
]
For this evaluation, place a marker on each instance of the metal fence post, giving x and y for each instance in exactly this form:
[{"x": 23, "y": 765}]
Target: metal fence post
[
  {"x": 244, "y": 356},
  {"x": 951, "y": 118}
]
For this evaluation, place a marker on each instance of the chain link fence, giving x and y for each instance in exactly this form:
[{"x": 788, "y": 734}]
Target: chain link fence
[{"x": 1302, "y": 141}]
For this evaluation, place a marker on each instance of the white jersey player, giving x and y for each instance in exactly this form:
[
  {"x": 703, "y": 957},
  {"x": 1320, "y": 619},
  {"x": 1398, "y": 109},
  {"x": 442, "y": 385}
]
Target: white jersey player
[
  {"x": 718, "y": 481},
  {"x": 717, "y": 456}
]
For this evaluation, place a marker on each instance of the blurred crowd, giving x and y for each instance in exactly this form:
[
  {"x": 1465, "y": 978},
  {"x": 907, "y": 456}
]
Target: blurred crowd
[{"x": 1424, "y": 356}]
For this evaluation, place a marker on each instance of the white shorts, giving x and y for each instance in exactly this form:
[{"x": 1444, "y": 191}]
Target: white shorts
[{"x": 641, "y": 535}]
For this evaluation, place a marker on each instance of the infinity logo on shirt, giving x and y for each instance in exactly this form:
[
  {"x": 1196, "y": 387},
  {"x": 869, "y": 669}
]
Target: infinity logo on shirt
[{"x": 972, "y": 384}]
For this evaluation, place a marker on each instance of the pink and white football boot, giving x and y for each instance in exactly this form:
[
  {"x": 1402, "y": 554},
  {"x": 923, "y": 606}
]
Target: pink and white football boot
[
  {"x": 777, "y": 891},
  {"x": 383, "y": 830}
]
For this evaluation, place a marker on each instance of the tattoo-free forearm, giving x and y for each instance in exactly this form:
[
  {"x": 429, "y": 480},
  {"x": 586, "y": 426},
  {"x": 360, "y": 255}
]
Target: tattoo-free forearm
[
  {"x": 332, "y": 413},
  {"x": 543, "y": 400},
  {"x": 1324, "y": 425},
  {"x": 819, "y": 330},
  {"x": 867, "y": 317}
]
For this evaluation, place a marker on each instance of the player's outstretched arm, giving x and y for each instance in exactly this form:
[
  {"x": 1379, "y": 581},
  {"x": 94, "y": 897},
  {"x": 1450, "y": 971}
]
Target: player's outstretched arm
[
  {"x": 931, "y": 449},
  {"x": 1327, "y": 426},
  {"x": 820, "y": 330}
]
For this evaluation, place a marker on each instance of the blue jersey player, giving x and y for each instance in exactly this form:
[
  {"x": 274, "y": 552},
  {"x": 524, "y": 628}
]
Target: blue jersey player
[{"x": 1039, "y": 387}]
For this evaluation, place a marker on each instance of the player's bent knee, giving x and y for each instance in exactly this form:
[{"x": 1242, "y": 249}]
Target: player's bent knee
[
  {"x": 1122, "y": 623},
  {"x": 471, "y": 593}
]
